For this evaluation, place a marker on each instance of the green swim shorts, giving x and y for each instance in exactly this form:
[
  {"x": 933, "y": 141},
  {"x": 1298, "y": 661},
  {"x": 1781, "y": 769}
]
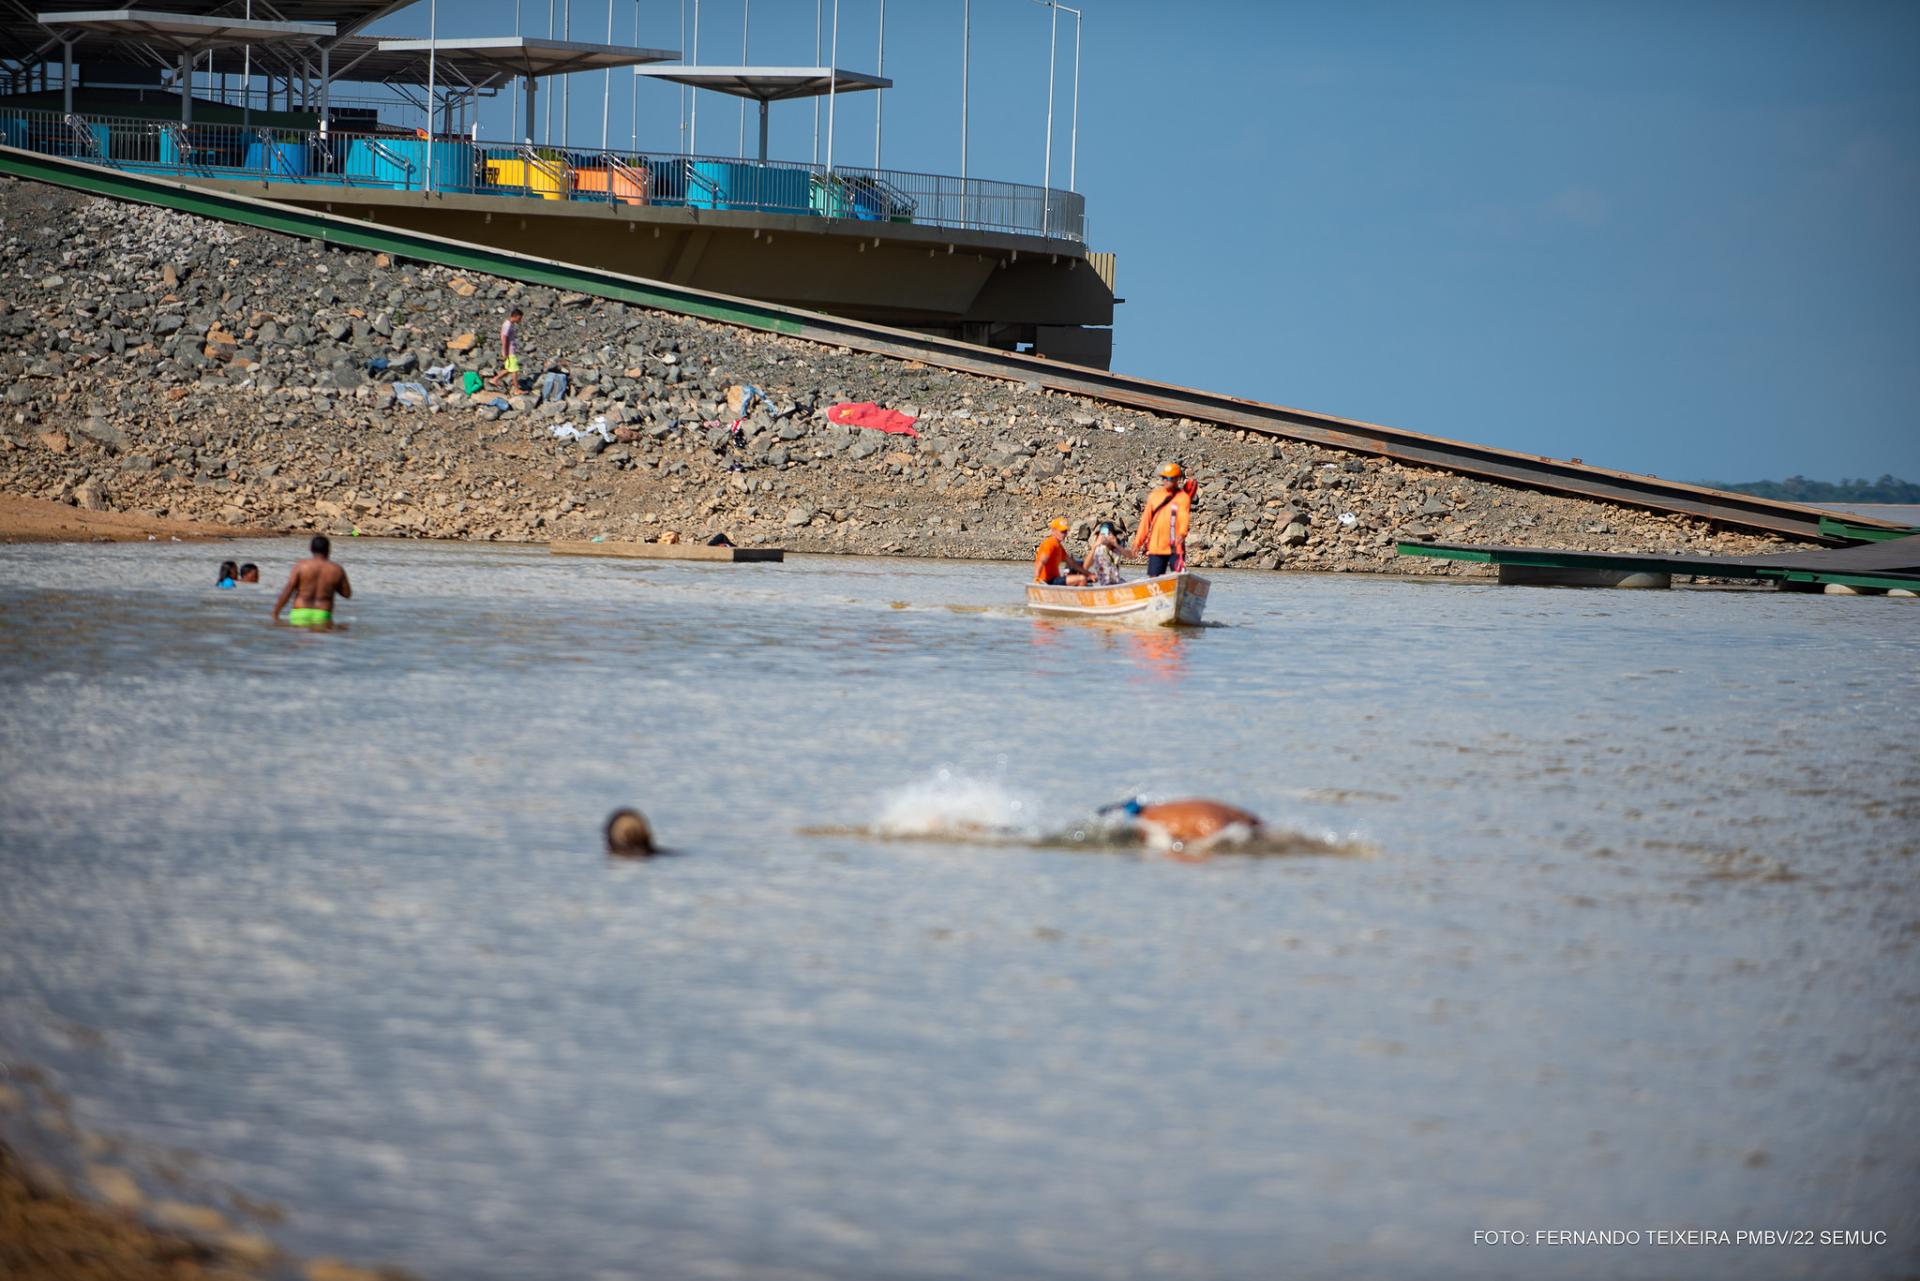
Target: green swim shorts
[{"x": 311, "y": 617}]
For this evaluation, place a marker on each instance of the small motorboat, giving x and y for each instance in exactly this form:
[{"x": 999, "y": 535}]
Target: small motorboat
[{"x": 1166, "y": 601}]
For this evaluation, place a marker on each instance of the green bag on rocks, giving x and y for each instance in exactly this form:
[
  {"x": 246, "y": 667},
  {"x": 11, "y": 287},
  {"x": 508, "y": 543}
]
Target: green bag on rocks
[{"x": 471, "y": 382}]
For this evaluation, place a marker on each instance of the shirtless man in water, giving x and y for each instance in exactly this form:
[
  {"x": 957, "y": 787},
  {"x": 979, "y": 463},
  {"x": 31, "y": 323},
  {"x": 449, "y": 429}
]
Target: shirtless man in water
[
  {"x": 1188, "y": 829},
  {"x": 312, "y": 586}
]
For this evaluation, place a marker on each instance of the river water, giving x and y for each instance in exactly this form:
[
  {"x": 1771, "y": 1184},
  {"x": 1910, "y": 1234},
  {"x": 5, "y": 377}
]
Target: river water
[{"x": 1625, "y": 940}]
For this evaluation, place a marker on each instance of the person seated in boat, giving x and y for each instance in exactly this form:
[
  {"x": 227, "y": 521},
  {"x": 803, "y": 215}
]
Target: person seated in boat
[
  {"x": 1103, "y": 557},
  {"x": 1186, "y": 829},
  {"x": 1052, "y": 566},
  {"x": 1163, "y": 523}
]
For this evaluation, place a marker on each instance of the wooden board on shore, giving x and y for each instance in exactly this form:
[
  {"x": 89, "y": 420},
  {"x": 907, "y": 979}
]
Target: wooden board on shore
[{"x": 668, "y": 551}]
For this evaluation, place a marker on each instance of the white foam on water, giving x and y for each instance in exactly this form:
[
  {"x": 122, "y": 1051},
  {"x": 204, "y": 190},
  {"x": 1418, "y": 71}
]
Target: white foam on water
[{"x": 955, "y": 804}]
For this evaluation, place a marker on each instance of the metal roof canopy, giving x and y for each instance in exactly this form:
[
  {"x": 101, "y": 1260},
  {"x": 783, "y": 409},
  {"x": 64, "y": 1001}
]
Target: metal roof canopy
[
  {"x": 343, "y": 16},
  {"x": 528, "y": 56},
  {"x": 766, "y": 85},
  {"x": 483, "y": 60},
  {"x": 184, "y": 33}
]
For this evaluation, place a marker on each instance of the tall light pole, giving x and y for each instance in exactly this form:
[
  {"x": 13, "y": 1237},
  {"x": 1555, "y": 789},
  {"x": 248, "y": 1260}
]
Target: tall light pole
[
  {"x": 1046, "y": 184},
  {"x": 433, "y": 37},
  {"x": 746, "y": 19},
  {"x": 566, "y": 82},
  {"x": 693, "y": 95},
  {"x": 966, "y": 51},
  {"x": 633, "y": 129},
  {"x": 1073, "y": 145},
  {"x": 246, "y": 79},
  {"x": 606, "y": 87},
  {"x": 833, "y": 83},
  {"x": 879, "y": 95},
  {"x": 818, "y": 8},
  {"x": 1073, "y": 162}
]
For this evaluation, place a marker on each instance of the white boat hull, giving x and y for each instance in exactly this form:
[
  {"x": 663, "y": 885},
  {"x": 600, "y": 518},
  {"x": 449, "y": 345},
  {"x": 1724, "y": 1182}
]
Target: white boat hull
[{"x": 1167, "y": 601}]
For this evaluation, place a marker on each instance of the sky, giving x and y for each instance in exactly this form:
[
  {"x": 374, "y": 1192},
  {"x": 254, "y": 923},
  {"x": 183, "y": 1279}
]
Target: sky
[{"x": 1673, "y": 237}]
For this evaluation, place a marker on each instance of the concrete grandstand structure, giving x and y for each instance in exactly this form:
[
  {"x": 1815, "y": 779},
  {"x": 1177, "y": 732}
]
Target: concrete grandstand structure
[{"x": 150, "y": 90}]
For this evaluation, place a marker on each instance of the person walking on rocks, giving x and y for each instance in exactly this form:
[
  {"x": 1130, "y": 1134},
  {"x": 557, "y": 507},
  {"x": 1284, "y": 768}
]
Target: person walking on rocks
[
  {"x": 312, "y": 586},
  {"x": 1163, "y": 523},
  {"x": 509, "y": 376}
]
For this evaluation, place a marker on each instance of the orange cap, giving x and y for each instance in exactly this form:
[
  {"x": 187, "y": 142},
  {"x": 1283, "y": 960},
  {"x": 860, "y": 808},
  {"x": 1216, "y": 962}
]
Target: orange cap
[
  {"x": 1059, "y": 526},
  {"x": 1171, "y": 469}
]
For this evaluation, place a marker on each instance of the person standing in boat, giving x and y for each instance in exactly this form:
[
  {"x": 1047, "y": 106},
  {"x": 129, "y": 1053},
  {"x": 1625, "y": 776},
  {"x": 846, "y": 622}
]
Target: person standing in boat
[
  {"x": 1163, "y": 523},
  {"x": 1051, "y": 564}
]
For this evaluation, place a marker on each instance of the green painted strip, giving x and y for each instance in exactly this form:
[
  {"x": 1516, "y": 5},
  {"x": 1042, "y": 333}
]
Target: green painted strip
[
  {"x": 1908, "y": 582},
  {"x": 1441, "y": 553},
  {"x": 1834, "y": 527}
]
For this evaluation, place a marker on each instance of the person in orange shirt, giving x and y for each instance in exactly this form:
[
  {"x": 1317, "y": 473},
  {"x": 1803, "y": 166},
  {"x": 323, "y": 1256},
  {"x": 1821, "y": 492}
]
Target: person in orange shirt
[
  {"x": 1163, "y": 523},
  {"x": 1052, "y": 565}
]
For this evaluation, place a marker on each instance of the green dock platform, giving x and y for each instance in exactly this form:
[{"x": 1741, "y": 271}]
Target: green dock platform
[{"x": 1890, "y": 565}]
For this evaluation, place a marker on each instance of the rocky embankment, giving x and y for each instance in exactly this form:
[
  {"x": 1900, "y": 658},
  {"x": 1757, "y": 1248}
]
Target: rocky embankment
[{"x": 169, "y": 366}]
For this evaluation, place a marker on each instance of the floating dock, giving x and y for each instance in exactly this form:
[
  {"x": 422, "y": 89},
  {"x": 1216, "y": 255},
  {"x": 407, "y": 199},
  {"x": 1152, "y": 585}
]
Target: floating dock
[
  {"x": 669, "y": 551},
  {"x": 1891, "y": 565}
]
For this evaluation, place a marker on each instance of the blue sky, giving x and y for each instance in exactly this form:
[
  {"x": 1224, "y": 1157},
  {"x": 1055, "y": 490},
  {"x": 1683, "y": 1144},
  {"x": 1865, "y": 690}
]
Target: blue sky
[{"x": 1669, "y": 237}]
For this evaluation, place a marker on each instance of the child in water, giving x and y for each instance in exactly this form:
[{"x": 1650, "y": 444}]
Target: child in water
[{"x": 229, "y": 575}]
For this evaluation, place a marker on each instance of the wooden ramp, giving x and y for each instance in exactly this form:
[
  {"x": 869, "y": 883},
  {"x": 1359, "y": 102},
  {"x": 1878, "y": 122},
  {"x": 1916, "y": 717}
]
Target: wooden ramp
[{"x": 669, "y": 551}]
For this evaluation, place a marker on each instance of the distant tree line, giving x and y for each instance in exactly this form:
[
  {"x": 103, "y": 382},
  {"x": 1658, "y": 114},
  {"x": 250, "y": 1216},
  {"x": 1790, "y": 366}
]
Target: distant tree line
[{"x": 1798, "y": 489}]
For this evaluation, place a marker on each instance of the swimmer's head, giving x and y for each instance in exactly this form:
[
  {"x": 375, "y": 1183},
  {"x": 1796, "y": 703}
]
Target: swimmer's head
[
  {"x": 1131, "y": 807},
  {"x": 249, "y": 573},
  {"x": 628, "y": 834},
  {"x": 227, "y": 571},
  {"x": 321, "y": 545}
]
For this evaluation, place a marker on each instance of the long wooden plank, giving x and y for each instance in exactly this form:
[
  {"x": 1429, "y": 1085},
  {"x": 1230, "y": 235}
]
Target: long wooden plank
[{"x": 669, "y": 551}]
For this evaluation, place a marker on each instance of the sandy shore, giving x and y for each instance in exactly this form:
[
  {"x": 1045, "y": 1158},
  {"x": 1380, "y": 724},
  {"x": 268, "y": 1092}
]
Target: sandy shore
[
  {"x": 36, "y": 520},
  {"x": 48, "y": 1235}
]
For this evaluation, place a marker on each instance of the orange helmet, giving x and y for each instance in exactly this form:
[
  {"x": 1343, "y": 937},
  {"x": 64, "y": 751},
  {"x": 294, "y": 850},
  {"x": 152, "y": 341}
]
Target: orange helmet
[
  {"x": 1058, "y": 526},
  {"x": 1171, "y": 470}
]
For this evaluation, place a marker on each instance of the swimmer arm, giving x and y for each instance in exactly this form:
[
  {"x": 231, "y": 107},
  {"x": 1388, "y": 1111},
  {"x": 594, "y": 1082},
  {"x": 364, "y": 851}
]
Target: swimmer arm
[
  {"x": 346, "y": 588},
  {"x": 286, "y": 594}
]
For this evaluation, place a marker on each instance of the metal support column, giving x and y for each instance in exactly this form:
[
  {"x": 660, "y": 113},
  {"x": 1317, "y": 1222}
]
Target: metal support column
[
  {"x": 66, "y": 76},
  {"x": 763, "y": 129},
  {"x": 533, "y": 90}
]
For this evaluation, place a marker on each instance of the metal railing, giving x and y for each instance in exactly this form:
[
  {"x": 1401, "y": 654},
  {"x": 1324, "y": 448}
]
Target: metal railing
[{"x": 463, "y": 165}]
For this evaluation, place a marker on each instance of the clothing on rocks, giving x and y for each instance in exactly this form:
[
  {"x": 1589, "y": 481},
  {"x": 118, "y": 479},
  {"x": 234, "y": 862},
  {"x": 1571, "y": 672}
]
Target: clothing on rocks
[{"x": 867, "y": 414}]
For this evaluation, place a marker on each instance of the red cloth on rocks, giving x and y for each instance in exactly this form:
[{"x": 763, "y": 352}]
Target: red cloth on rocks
[{"x": 867, "y": 414}]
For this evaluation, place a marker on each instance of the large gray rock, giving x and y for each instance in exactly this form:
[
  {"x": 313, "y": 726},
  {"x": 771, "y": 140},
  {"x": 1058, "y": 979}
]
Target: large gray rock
[{"x": 103, "y": 433}]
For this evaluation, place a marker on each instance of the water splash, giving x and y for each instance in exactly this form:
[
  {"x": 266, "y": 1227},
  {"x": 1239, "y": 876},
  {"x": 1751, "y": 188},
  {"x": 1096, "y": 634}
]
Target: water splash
[{"x": 952, "y": 804}]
